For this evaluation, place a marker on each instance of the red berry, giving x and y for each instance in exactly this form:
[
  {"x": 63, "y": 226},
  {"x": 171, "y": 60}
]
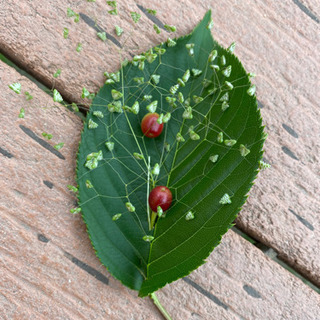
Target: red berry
[
  {"x": 160, "y": 196},
  {"x": 150, "y": 127}
]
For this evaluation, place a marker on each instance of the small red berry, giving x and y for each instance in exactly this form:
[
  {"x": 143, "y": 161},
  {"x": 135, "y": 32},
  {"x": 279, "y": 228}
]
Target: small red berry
[
  {"x": 150, "y": 127},
  {"x": 160, "y": 196}
]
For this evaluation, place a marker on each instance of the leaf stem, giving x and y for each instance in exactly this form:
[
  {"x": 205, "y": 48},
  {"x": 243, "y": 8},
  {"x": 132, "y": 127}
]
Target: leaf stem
[
  {"x": 161, "y": 308},
  {"x": 148, "y": 209}
]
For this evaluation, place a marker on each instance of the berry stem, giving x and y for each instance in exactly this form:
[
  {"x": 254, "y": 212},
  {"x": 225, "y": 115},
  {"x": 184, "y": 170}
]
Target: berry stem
[
  {"x": 163, "y": 311},
  {"x": 153, "y": 219}
]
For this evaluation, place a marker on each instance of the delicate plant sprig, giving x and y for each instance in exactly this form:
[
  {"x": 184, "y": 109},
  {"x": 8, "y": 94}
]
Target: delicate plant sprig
[
  {"x": 152, "y": 12},
  {"x": 189, "y": 215},
  {"x": 86, "y": 94},
  {"x": 135, "y": 16},
  {"x": 135, "y": 108},
  {"x": 116, "y": 217},
  {"x": 71, "y": 13},
  {"x": 227, "y": 71},
  {"x": 65, "y": 33},
  {"x": 113, "y": 12},
  {"x": 210, "y": 24},
  {"x": 89, "y": 185},
  {"x": 21, "y": 113},
  {"x": 244, "y": 151},
  {"x": 57, "y": 73},
  {"x": 155, "y": 79},
  {"x": 79, "y": 47},
  {"x": 16, "y": 87},
  {"x": 214, "y": 158},
  {"x": 92, "y": 124},
  {"x": 75, "y": 210},
  {"x": 112, "y": 77},
  {"x": 171, "y": 43},
  {"x": 110, "y": 145},
  {"x": 170, "y": 28},
  {"x": 112, "y": 4},
  {"x": 220, "y": 137},
  {"x": 59, "y": 146},
  {"x": 232, "y": 47},
  {"x": 138, "y": 156},
  {"x": 196, "y": 72},
  {"x": 148, "y": 238},
  {"x": 263, "y": 165},
  {"x": 130, "y": 207},
  {"x": 93, "y": 159},
  {"x": 98, "y": 114},
  {"x": 74, "y": 107},
  {"x": 57, "y": 96},
  {"x": 190, "y": 48},
  {"x": 223, "y": 60},
  {"x": 157, "y": 29},
  {"x": 28, "y": 95},
  {"x": 102, "y": 36},
  {"x": 230, "y": 142},
  {"x": 72, "y": 188},
  {"x": 225, "y": 199},
  {"x": 119, "y": 31},
  {"x": 47, "y": 135},
  {"x": 228, "y": 85},
  {"x": 252, "y": 90}
]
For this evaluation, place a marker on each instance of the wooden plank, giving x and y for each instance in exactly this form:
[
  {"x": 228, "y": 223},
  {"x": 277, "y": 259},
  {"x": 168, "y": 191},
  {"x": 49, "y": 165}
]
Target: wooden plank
[
  {"x": 246, "y": 284},
  {"x": 48, "y": 268},
  {"x": 276, "y": 40},
  {"x": 310, "y": 8}
]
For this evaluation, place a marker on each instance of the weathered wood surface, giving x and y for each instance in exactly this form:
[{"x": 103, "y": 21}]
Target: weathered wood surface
[
  {"x": 48, "y": 269},
  {"x": 277, "y": 40}
]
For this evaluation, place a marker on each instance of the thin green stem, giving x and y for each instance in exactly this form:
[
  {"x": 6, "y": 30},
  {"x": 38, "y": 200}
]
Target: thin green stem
[
  {"x": 128, "y": 121},
  {"x": 161, "y": 308},
  {"x": 175, "y": 154},
  {"x": 148, "y": 209}
]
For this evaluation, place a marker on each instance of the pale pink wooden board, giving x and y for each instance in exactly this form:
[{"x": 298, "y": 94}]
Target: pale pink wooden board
[{"x": 277, "y": 40}]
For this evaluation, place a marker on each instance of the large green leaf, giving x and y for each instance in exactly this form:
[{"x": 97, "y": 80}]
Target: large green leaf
[{"x": 190, "y": 168}]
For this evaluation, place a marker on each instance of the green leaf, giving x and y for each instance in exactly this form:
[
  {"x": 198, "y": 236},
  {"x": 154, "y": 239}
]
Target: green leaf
[{"x": 207, "y": 155}]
